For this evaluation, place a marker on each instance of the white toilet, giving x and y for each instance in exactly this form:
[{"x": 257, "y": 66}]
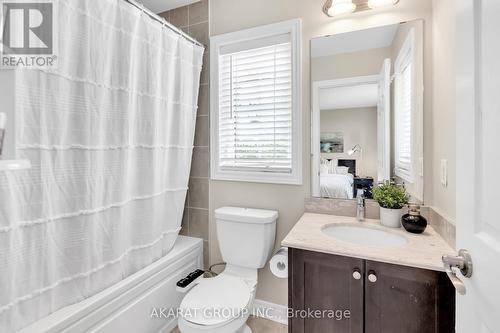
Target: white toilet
[{"x": 222, "y": 304}]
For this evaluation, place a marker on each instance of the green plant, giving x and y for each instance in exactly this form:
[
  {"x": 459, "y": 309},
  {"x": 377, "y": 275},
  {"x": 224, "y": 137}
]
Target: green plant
[{"x": 390, "y": 196}]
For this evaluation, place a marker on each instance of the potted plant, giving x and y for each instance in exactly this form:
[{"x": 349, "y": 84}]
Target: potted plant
[{"x": 391, "y": 198}]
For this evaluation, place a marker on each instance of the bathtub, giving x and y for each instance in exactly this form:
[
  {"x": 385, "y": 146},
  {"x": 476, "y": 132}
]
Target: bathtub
[{"x": 129, "y": 305}]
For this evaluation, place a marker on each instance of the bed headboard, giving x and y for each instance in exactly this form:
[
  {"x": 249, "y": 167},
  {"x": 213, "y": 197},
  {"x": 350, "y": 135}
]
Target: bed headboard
[{"x": 351, "y": 164}]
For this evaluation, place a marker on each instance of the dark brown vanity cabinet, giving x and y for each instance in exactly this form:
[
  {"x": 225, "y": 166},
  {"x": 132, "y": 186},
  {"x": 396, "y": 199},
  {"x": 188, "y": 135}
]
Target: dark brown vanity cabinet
[
  {"x": 319, "y": 281},
  {"x": 379, "y": 297}
]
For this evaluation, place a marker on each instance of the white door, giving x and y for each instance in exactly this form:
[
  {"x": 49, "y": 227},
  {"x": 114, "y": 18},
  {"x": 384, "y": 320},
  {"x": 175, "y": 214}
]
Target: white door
[
  {"x": 478, "y": 162},
  {"x": 384, "y": 123}
]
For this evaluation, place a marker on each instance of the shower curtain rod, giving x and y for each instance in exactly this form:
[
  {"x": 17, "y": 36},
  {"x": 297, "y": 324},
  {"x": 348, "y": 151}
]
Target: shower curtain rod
[{"x": 162, "y": 20}]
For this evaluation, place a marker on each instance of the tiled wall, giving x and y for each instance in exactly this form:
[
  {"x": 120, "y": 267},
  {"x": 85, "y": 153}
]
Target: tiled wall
[
  {"x": 340, "y": 207},
  {"x": 444, "y": 226},
  {"x": 193, "y": 19}
]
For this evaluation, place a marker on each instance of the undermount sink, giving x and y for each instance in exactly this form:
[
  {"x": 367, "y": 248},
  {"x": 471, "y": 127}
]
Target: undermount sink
[{"x": 364, "y": 235}]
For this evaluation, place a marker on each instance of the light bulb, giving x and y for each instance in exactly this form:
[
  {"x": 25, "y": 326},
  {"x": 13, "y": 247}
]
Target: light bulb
[
  {"x": 340, "y": 7},
  {"x": 381, "y": 3}
]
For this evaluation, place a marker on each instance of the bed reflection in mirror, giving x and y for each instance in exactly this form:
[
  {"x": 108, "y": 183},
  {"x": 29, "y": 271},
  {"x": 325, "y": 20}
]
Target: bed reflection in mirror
[{"x": 367, "y": 102}]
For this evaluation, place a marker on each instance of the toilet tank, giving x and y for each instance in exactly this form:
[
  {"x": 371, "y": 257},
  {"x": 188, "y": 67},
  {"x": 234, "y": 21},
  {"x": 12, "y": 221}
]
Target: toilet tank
[{"x": 246, "y": 236}]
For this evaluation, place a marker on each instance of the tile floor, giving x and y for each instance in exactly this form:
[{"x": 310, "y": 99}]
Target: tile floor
[{"x": 260, "y": 325}]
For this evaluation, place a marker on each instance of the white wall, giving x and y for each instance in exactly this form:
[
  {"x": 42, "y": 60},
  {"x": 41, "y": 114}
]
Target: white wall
[
  {"x": 346, "y": 65},
  {"x": 443, "y": 104},
  {"x": 233, "y": 15},
  {"x": 359, "y": 126}
]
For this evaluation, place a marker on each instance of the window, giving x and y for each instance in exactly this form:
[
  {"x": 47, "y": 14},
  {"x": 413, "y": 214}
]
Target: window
[
  {"x": 255, "y": 110},
  {"x": 404, "y": 110}
]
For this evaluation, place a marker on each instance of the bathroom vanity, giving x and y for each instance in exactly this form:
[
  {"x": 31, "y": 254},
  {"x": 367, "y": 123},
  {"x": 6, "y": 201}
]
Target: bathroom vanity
[
  {"x": 367, "y": 128},
  {"x": 390, "y": 287}
]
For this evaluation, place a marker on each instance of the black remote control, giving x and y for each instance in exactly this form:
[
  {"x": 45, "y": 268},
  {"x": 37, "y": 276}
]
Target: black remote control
[
  {"x": 183, "y": 283},
  {"x": 195, "y": 274}
]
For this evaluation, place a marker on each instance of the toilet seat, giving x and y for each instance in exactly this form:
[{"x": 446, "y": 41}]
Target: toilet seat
[{"x": 216, "y": 301}]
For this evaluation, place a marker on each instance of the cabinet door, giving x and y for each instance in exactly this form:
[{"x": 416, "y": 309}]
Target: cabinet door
[
  {"x": 319, "y": 281},
  {"x": 403, "y": 299}
]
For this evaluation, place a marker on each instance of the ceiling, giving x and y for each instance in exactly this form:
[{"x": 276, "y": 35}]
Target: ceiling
[
  {"x": 359, "y": 96},
  {"x": 355, "y": 41},
  {"x": 159, "y": 6}
]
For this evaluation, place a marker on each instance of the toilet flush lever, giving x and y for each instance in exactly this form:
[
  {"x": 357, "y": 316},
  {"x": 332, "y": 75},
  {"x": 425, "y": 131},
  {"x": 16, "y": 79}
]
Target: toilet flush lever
[{"x": 464, "y": 263}]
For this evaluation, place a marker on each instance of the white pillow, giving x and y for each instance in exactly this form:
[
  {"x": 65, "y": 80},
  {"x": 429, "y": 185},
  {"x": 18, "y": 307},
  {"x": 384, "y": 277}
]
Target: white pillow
[
  {"x": 331, "y": 167},
  {"x": 342, "y": 170},
  {"x": 324, "y": 169}
]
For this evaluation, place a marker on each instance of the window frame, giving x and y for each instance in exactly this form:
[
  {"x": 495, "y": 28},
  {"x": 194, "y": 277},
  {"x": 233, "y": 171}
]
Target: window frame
[
  {"x": 405, "y": 58},
  {"x": 294, "y": 28}
]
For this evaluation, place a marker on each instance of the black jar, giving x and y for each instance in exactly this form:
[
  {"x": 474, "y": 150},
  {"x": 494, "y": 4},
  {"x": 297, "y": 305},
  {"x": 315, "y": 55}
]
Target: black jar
[{"x": 414, "y": 222}]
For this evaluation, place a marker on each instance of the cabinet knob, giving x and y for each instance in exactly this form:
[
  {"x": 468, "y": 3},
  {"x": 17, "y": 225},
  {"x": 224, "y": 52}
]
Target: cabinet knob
[
  {"x": 356, "y": 274},
  {"x": 372, "y": 277}
]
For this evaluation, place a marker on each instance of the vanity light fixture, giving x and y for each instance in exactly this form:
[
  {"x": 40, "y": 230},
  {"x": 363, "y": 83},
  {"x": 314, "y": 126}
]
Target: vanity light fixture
[
  {"x": 381, "y": 3},
  {"x": 355, "y": 149},
  {"x": 338, "y": 7}
]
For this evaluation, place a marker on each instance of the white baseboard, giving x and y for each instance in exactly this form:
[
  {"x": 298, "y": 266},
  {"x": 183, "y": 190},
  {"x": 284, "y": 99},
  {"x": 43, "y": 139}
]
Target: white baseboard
[{"x": 271, "y": 311}]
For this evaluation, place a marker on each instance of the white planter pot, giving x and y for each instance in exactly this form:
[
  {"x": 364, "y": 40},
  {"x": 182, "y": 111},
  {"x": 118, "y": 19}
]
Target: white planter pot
[{"x": 391, "y": 217}]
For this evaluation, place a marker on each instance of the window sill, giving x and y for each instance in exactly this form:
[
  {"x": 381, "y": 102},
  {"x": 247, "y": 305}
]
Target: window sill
[{"x": 254, "y": 177}]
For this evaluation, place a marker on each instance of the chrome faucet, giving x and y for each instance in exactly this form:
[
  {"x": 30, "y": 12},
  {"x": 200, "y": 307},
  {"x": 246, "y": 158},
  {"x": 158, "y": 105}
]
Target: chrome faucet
[{"x": 360, "y": 205}]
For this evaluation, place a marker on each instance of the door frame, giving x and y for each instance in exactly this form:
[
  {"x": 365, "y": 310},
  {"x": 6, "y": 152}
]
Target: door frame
[{"x": 316, "y": 117}]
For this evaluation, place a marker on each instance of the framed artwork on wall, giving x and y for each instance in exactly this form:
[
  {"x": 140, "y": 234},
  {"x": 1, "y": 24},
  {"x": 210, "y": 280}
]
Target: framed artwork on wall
[{"x": 332, "y": 142}]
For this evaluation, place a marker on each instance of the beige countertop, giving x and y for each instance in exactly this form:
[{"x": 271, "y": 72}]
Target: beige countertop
[{"x": 422, "y": 251}]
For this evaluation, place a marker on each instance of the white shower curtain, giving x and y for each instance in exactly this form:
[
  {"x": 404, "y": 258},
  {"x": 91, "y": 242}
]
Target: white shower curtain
[{"x": 109, "y": 133}]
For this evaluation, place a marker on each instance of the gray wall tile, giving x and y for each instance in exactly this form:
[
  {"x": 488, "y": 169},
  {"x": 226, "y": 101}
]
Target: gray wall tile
[
  {"x": 200, "y": 164},
  {"x": 198, "y": 223},
  {"x": 341, "y": 207},
  {"x": 205, "y": 71},
  {"x": 203, "y": 100},
  {"x": 443, "y": 227},
  {"x": 179, "y": 17},
  {"x": 202, "y": 134},
  {"x": 165, "y": 15},
  {"x": 200, "y": 32},
  {"x": 206, "y": 254},
  {"x": 198, "y": 12},
  {"x": 185, "y": 223},
  {"x": 198, "y": 193}
]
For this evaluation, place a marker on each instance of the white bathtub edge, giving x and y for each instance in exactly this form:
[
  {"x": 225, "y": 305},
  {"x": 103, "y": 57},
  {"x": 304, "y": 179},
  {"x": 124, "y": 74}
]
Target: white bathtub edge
[{"x": 101, "y": 312}]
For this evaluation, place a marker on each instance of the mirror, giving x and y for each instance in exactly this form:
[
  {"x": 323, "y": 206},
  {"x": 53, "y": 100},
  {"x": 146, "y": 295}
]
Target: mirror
[{"x": 367, "y": 111}]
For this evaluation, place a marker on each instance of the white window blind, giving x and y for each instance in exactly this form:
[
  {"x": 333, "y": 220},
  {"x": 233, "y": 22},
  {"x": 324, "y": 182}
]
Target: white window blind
[
  {"x": 403, "y": 95},
  {"x": 255, "y": 107}
]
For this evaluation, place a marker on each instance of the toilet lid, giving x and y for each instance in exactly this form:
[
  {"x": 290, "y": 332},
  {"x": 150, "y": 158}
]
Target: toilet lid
[{"x": 216, "y": 301}]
